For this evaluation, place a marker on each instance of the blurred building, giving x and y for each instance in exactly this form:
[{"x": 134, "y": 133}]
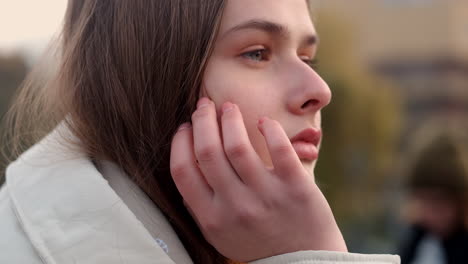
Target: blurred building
[{"x": 420, "y": 45}]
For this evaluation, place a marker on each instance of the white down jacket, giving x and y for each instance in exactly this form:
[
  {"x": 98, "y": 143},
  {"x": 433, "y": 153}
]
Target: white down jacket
[{"x": 58, "y": 207}]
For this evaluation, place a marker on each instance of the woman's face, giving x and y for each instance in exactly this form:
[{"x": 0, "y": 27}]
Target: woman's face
[{"x": 261, "y": 62}]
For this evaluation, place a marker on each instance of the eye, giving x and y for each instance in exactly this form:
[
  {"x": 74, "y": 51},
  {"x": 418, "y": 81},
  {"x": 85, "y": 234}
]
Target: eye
[
  {"x": 313, "y": 63},
  {"x": 257, "y": 55}
]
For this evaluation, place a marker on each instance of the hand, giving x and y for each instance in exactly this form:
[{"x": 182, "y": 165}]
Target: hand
[{"x": 245, "y": 210}]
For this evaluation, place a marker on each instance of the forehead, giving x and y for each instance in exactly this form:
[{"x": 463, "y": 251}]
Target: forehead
[{"x": 293, "y": 14}]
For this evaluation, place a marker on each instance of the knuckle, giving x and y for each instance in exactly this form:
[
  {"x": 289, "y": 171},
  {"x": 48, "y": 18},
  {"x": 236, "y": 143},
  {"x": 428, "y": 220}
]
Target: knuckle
[
  {"x": 206, "y": 153},
  {"x": 273, "y": 203},
  {"x": 211, "y": 226},
  {"x": 179, "y": 170},
  {"x": 246, "y": 215},
  {"x": 281, "y": 150},
  {"x": 301, "y": 195},
  {"x": 237, "y": 151}
]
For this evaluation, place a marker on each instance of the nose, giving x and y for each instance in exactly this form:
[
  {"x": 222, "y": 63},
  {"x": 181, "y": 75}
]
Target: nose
[{"x": 309, "y": 92}]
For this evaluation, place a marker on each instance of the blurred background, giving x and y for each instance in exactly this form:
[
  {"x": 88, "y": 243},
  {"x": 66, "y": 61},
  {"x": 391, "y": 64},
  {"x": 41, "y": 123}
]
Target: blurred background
[{"x": 394, "y": 158}]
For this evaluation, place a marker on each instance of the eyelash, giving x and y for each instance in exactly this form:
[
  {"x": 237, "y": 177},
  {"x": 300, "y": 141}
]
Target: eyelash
[
  {"x": 313, "y": 63},
  {"x": 248, "y": 54}
]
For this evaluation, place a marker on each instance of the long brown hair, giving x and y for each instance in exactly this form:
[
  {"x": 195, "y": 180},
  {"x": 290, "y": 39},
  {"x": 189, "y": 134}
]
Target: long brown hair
[{"x": 129, "y": 74}]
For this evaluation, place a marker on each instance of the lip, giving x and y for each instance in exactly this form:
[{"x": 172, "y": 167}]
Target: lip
[{"x": 306, "y": 144}]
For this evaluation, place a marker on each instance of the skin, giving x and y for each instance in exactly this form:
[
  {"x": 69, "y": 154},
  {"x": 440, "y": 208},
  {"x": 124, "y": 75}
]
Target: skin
[
  {"x": 234, "y": 165},
  {"x": 266, "y": 73}
]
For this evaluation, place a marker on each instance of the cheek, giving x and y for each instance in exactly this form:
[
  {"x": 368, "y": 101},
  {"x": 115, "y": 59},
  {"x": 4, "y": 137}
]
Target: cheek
[
  {"x": 253, "y": 93},
  {"x": 222, "y": 83},
  {"x": 227, "y": 82},
  {"x": 251, "y": 105}
]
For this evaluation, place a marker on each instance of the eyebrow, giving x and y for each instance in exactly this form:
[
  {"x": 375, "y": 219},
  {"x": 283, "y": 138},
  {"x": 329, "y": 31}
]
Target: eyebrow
[{"x": 271, "y": 28}]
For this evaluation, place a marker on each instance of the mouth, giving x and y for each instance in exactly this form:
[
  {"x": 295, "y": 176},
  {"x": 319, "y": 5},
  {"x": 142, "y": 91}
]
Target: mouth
[{"x": 306, "y": 144}]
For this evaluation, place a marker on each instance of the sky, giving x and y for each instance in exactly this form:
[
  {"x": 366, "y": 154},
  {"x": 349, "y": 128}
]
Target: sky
[{"x": 28, "y": 25}]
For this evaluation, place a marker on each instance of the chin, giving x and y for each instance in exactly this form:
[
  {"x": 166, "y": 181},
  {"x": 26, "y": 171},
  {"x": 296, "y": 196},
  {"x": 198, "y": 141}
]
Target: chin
[{"x": 309, "y": 166}]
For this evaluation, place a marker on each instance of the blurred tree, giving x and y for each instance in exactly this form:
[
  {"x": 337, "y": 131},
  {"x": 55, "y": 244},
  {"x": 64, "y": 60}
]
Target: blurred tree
[
  {"x": 361, "y": 127},
  {"x": 13, "y": 69}
]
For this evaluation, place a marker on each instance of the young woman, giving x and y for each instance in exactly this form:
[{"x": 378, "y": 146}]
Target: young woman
[{"x": 187, "y": 131}]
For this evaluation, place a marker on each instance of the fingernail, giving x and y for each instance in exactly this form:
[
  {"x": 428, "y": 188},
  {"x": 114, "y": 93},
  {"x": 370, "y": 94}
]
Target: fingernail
[
  {"x": 184, "y": 126},
  {"x": 227, "y": 107},
  {"x": 203, "y": 102}
]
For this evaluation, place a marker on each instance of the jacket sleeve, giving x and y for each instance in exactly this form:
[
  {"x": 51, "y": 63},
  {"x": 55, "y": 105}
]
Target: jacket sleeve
[{"x": 328, "y": 257}]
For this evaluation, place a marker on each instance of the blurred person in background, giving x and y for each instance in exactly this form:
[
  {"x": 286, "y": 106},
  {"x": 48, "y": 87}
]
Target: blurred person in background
[{"x": 437, "y": 205}]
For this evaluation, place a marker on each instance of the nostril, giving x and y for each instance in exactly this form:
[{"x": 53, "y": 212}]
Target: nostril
[{"x": 311, "y": 102}]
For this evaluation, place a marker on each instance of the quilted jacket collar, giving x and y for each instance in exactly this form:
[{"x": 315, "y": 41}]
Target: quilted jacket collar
[{"x": 71, "y": 214}]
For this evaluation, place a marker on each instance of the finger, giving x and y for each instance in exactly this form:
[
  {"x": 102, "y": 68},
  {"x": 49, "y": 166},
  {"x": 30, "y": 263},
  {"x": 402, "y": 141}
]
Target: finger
[
  {"x": 185, "y": 172},
  {"x": 285, "y": 161},
  {"x": 238, "y": 148},
  {"x": 209, "y": 149},
  {"x": 192, "y": 213}
]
